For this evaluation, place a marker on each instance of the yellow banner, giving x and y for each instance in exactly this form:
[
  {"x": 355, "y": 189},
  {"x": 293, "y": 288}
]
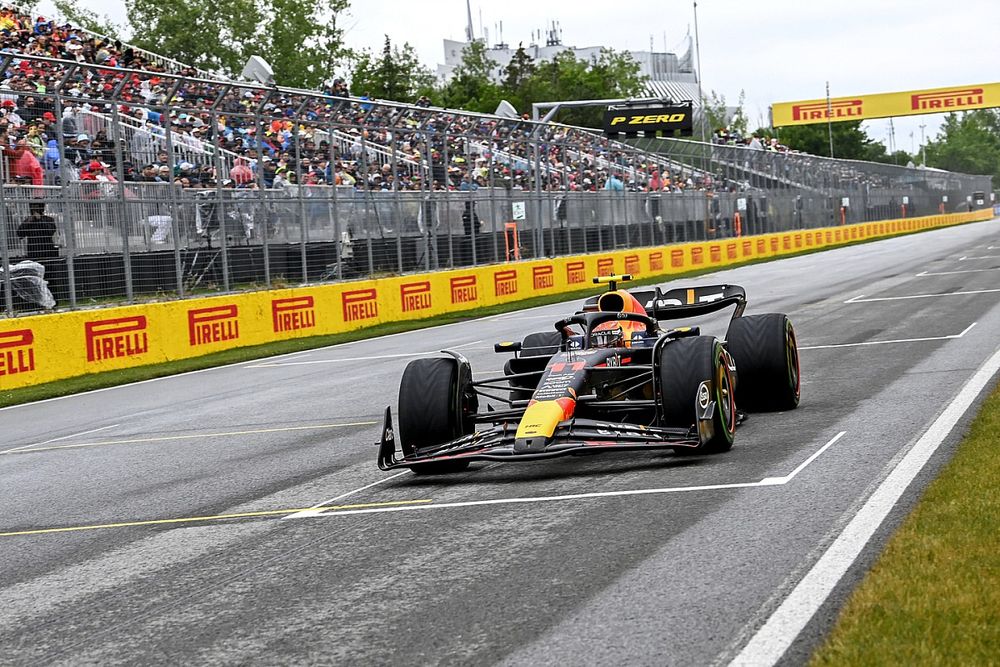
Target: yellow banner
[
  {"x": 62, "y": 345},
  {"x": 884, "y": 105}
]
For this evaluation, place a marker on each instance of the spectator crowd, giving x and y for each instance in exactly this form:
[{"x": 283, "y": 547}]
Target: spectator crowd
[{"x": 243, "y": 137}]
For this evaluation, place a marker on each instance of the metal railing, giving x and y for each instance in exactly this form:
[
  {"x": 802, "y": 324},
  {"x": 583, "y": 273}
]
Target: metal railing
[{"x": 432, "y": 189}]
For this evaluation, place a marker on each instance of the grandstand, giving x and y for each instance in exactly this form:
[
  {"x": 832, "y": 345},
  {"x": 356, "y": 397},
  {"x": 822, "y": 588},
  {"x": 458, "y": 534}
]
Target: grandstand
[{"x": 165, "y": 180}]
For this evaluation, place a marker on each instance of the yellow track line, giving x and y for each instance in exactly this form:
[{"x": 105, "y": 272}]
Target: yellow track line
[
  {"x": 195, "y": 436},
  {"x": 216, "y": 517}
]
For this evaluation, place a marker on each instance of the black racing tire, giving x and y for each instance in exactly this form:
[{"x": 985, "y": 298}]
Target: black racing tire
[
  {"x": 683, "y": 365},
  {"x": 766, "y": 355},
  {"x": 542, "y": 344},
  {"x": 436, "y": 405}
]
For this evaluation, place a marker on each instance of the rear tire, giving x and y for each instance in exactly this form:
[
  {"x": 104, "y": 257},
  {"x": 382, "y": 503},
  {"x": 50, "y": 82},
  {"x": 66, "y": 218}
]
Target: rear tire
[
  {"x": 436, "y": 405},
  {"x": 767, "y": 362},
  {"x": 684, "y": 364}
]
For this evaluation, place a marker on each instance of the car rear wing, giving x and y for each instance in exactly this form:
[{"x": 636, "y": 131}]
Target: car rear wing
[{"x": 684, "y": 302}]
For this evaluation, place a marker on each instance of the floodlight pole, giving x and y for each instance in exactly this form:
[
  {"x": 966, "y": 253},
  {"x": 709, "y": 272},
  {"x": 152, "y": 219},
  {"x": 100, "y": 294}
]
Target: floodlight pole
[
  {"x": 701, "y": 96},
  {"x": 829, "y": 117}
]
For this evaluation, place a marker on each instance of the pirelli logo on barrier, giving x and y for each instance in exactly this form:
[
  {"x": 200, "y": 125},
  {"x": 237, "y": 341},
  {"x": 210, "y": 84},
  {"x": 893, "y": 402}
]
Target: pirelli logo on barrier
[
  {"x": 464, "y": 289},
  {"x": 761, "y": 246},
  {"x": 715, "y": 253},
  {"x": 747, "y": 248},
  {"x": 213, "y": 325},
  {"x": 543, "y": 277},
  {"x": 361, "y": 304},
  {"x": 697, "y": 256},
  {"x": 293, "y": 314},
  {"x": 116, "y": 338},
  {"x": 732, "y": 252},
  {"x": 576, "y": 272},
  {"x": 947, "y": 99},
  {"x": 676, "y": 258},
  {"x": 632, "y": 264},
  {"x": 606, "y": 266},
  {"x": 655, "y": 261},
  {"x": 415, "y": 296},
  {"x": 17, "y": 352},
  {"x": 505, "y": 283}
]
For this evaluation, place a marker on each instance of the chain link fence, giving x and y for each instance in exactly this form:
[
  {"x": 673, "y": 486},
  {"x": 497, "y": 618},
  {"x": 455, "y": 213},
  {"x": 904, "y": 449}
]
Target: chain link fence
[{"x": 122, "y": 185}]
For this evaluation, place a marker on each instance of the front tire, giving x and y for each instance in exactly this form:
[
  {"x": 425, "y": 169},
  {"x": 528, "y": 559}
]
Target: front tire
[
  {"x": 436, "y": 405},
  {"x": 766, "y": 354},
  {"x": 684, "y": 364}
]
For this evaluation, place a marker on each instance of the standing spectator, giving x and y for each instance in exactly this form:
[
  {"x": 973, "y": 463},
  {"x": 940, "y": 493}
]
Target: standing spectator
[
  {"x": 241, "y": 174},
  {"x": 614, "y": 183},
  {"x": 38, "y": 230}
]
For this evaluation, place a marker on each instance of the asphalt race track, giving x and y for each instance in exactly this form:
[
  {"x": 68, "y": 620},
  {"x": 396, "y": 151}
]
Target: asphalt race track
[{"x": 626, "y": 559}]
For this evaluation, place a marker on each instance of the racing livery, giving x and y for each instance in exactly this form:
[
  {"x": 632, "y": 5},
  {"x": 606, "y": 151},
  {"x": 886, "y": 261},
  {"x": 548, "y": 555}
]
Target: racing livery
[{"x": 608, "y": 378}]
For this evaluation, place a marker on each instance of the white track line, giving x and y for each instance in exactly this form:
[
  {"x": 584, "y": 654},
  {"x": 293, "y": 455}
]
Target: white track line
[
  {"x": 889, "y": 342},
  {"x": 767, "y": 481},
  {"x": 860, "y": 298},
  {"x": 952, "y": 273},
  {"x": 968, "y": 259},
  {"x": 65, "y": 437},
  {"x": 312, "y": 510},
  {"x": 791, "y": 617}
]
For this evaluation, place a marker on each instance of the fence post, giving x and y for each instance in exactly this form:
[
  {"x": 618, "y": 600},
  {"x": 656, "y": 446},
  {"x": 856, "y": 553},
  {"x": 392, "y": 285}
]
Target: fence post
[
  {"x": 263, "y": 204},
  {"x": 220, "y": 208},
  {"x": 8, "y": 291},
  {"x": 68, "y": 224},
  {"x": 333, "y": 206},
  {"x": 367, "y": 194},
  {"x": 300, "y": 196},
  {"x": 397, "y": 206},
  {"x": 122, "y": 206}
]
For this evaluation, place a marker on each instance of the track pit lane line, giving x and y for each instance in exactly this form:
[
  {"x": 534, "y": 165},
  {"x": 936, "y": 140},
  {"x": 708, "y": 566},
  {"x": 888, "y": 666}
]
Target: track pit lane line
[
  {"x": 65, "y": 437},
  {"x": 318, "y": 508},
  {"x": 192, "y": 436},
  {"x": 861, "y": 297},
  {"x": 373, "y": 357},
  {"x": 766, "y": 482},
  {"x": 411, "y": 505},
  {"x": 784, "y": 625},
  {"x": 923, "y": 274},
  {"x": 200, "y": 519},
  {"x": 888, "y": 342}
]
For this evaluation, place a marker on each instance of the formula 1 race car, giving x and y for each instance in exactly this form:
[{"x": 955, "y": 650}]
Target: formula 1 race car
[{"x": 608, "y": 378}]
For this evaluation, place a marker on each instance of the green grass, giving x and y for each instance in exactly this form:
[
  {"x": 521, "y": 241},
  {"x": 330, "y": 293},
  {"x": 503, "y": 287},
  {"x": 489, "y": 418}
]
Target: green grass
[
  {"x": 933, "y": 597},
  {"x": 113, "y": 378}
]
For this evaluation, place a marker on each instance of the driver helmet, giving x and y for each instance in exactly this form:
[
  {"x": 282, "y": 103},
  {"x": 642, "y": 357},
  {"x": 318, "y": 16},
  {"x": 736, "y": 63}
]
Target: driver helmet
[{"x": 607, "y": 335}]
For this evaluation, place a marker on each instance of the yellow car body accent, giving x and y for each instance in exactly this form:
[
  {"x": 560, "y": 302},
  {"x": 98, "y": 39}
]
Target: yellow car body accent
[{"x": 540, "y": 419}]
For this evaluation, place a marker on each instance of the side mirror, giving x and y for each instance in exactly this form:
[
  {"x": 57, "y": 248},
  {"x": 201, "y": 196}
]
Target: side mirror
[{"x": 507, "y": 346}]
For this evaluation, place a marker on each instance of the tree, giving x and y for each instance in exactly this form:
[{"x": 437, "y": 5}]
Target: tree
[
  {"x": 395, "y": 75},
  {"x": 850, "y": 142},
  {"x": 718, "y": 117},
  {"x": 301, "y": 41},
  {"x": 969, "y": 143},
  {"x": 517, "y": 77},
  {"x": 471, "y": 85},
  {"x": 612, "y": 74}
]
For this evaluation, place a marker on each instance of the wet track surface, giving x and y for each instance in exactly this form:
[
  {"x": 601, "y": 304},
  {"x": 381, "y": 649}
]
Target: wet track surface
[{"x": 630, "y": 558}]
